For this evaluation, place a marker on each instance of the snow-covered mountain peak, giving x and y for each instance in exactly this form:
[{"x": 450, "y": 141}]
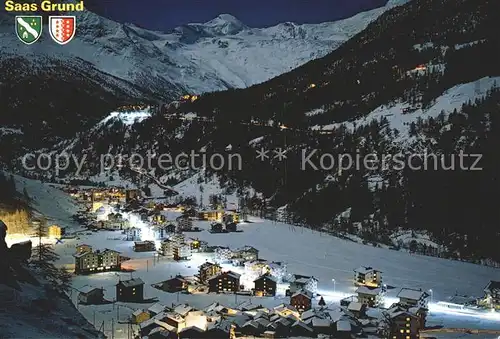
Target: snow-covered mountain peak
[
  {"x": 225, "y": 24},
  {"x": 394, "y": 3}
]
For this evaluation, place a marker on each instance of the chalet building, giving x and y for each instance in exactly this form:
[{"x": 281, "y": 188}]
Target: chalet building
[
  {"x": 160, "y": 232},
  {"x": 93, "y": 262},
  {"x": 184, "y": 224},
  {"x": 403, "y": 325},
  {"x": 83, "y": 248},
  {"x": 55, "y": 231},
  {"x": 144, "y": 246},
  {"x": 133, "y": 234},
  {"x": 358, "y": 309},
  {"x": 176, "y": 248},
  {"x": 130, "y": 290},
  {"x": 224, "y": 282},
  {"x": 176, "y": 284},
  {"x": 492, "y": 295},
  {"x": 265, "y": 286},
  {"x": 367, "y": 276},
  {"x": 409, "y": 297},
  {"x": 208, "y": 270},
  {"x": 170, "y": 228},
  {"x": 90, "y": 296},
  {"x": 140, "y": 316},
  {"x": 116, "y": 222},
  {"x": 302, "y": 282},
  {"x": 370, "y": 297},
  {"x": 301, "y": 300},
  {"x": 247, "y": 253},
  {"x": 158, "y": 218},
  {"x": 211, "y": 215},
  {"x": 198, "y": 246}
]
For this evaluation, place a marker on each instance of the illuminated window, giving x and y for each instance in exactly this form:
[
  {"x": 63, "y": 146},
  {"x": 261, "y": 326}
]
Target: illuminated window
[{"x": 402, "y": 331}]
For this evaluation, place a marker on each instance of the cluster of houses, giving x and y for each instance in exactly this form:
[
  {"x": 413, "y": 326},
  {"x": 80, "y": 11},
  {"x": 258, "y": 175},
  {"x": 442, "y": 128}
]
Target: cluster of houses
[
  {"x": 298, "y": 319},
  {"x": 244, "y": 320}
]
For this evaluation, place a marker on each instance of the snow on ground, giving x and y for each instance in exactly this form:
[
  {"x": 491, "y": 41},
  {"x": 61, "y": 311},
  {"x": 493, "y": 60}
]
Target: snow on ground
[
  {"x": 210, "y": 186},
  {"x": 20, "y": 317},
  {"x": 453, "y": 98},
  {"x": 49, "y": 201},
  {"x": 306, "y": 252},
  {"x": 7, "y": 130},
  {"x": 127, "y": 118},
  {"x": 406, "y": 237}
]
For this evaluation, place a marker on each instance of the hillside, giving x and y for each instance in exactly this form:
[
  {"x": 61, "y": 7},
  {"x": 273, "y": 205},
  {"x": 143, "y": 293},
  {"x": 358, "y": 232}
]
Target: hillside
[
  {"x": 395, "y": 109},
  {"x": 109, "y": 64}
]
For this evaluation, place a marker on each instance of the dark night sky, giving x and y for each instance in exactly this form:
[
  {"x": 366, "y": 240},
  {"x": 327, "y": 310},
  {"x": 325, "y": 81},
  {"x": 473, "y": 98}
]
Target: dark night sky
[{"x": 166, "y": 14}]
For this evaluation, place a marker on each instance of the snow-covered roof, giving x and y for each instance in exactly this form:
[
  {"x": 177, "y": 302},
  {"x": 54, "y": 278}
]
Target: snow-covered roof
[
  {"x": 82, "y": 254},
  {"x": 138, "y": 312},
  {"x": 247, "y": 248},
  {"x": 344, "y": 326},
  {"x": 87, "y": 289},
  {"x": 336, "y": 315},
  {"x": 302, "y": 324},
  {"x": 131, "y": 282},
  {"x": 367, "y": 290},
  {"x": 365, "y": 270},
  {"x": 283, "y": 307},
  {"x": 159, "y": 331},
  {"x": 191, "y": 328},
  {"x": 266, "y": 276},
  {"x": 228, "y": 273},
  {"x": 157, "y": 308},
  {"x": 355, "y": 306},
  {"x": 400, "y": 313},
  {"x": 183, "y": 309},
  {"x": 263, "y": 322},
  {"x": 320, "y": 322},
  {"x": 412, "y": 294},
  {"x": 251, "y": 323},
  {"x": 305, "y": 293},
  {"x": 493, "y": 287}
]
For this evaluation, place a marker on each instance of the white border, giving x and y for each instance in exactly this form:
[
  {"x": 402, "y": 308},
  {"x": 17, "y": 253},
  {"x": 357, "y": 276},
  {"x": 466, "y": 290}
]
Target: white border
[
  {"x": 31, "y": 16},
  {"x": 61, "y": 17}
]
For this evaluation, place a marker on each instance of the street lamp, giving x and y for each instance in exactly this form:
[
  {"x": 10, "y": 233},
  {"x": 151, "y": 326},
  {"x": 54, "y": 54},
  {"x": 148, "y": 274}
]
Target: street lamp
[
  {"x": 431, "y": 295},
  {"x": 334, "y": 286}
]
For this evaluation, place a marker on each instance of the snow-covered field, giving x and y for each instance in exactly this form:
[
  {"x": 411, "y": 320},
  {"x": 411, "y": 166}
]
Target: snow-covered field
[{"x": 305, "y": 252}]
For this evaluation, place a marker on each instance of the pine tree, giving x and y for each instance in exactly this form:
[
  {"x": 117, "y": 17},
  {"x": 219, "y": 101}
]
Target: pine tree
[{"x": 43, "y": 258}]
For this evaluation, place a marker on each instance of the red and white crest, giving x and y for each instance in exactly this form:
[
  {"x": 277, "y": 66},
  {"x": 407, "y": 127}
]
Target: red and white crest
[{"x": 62, "y": 28}]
